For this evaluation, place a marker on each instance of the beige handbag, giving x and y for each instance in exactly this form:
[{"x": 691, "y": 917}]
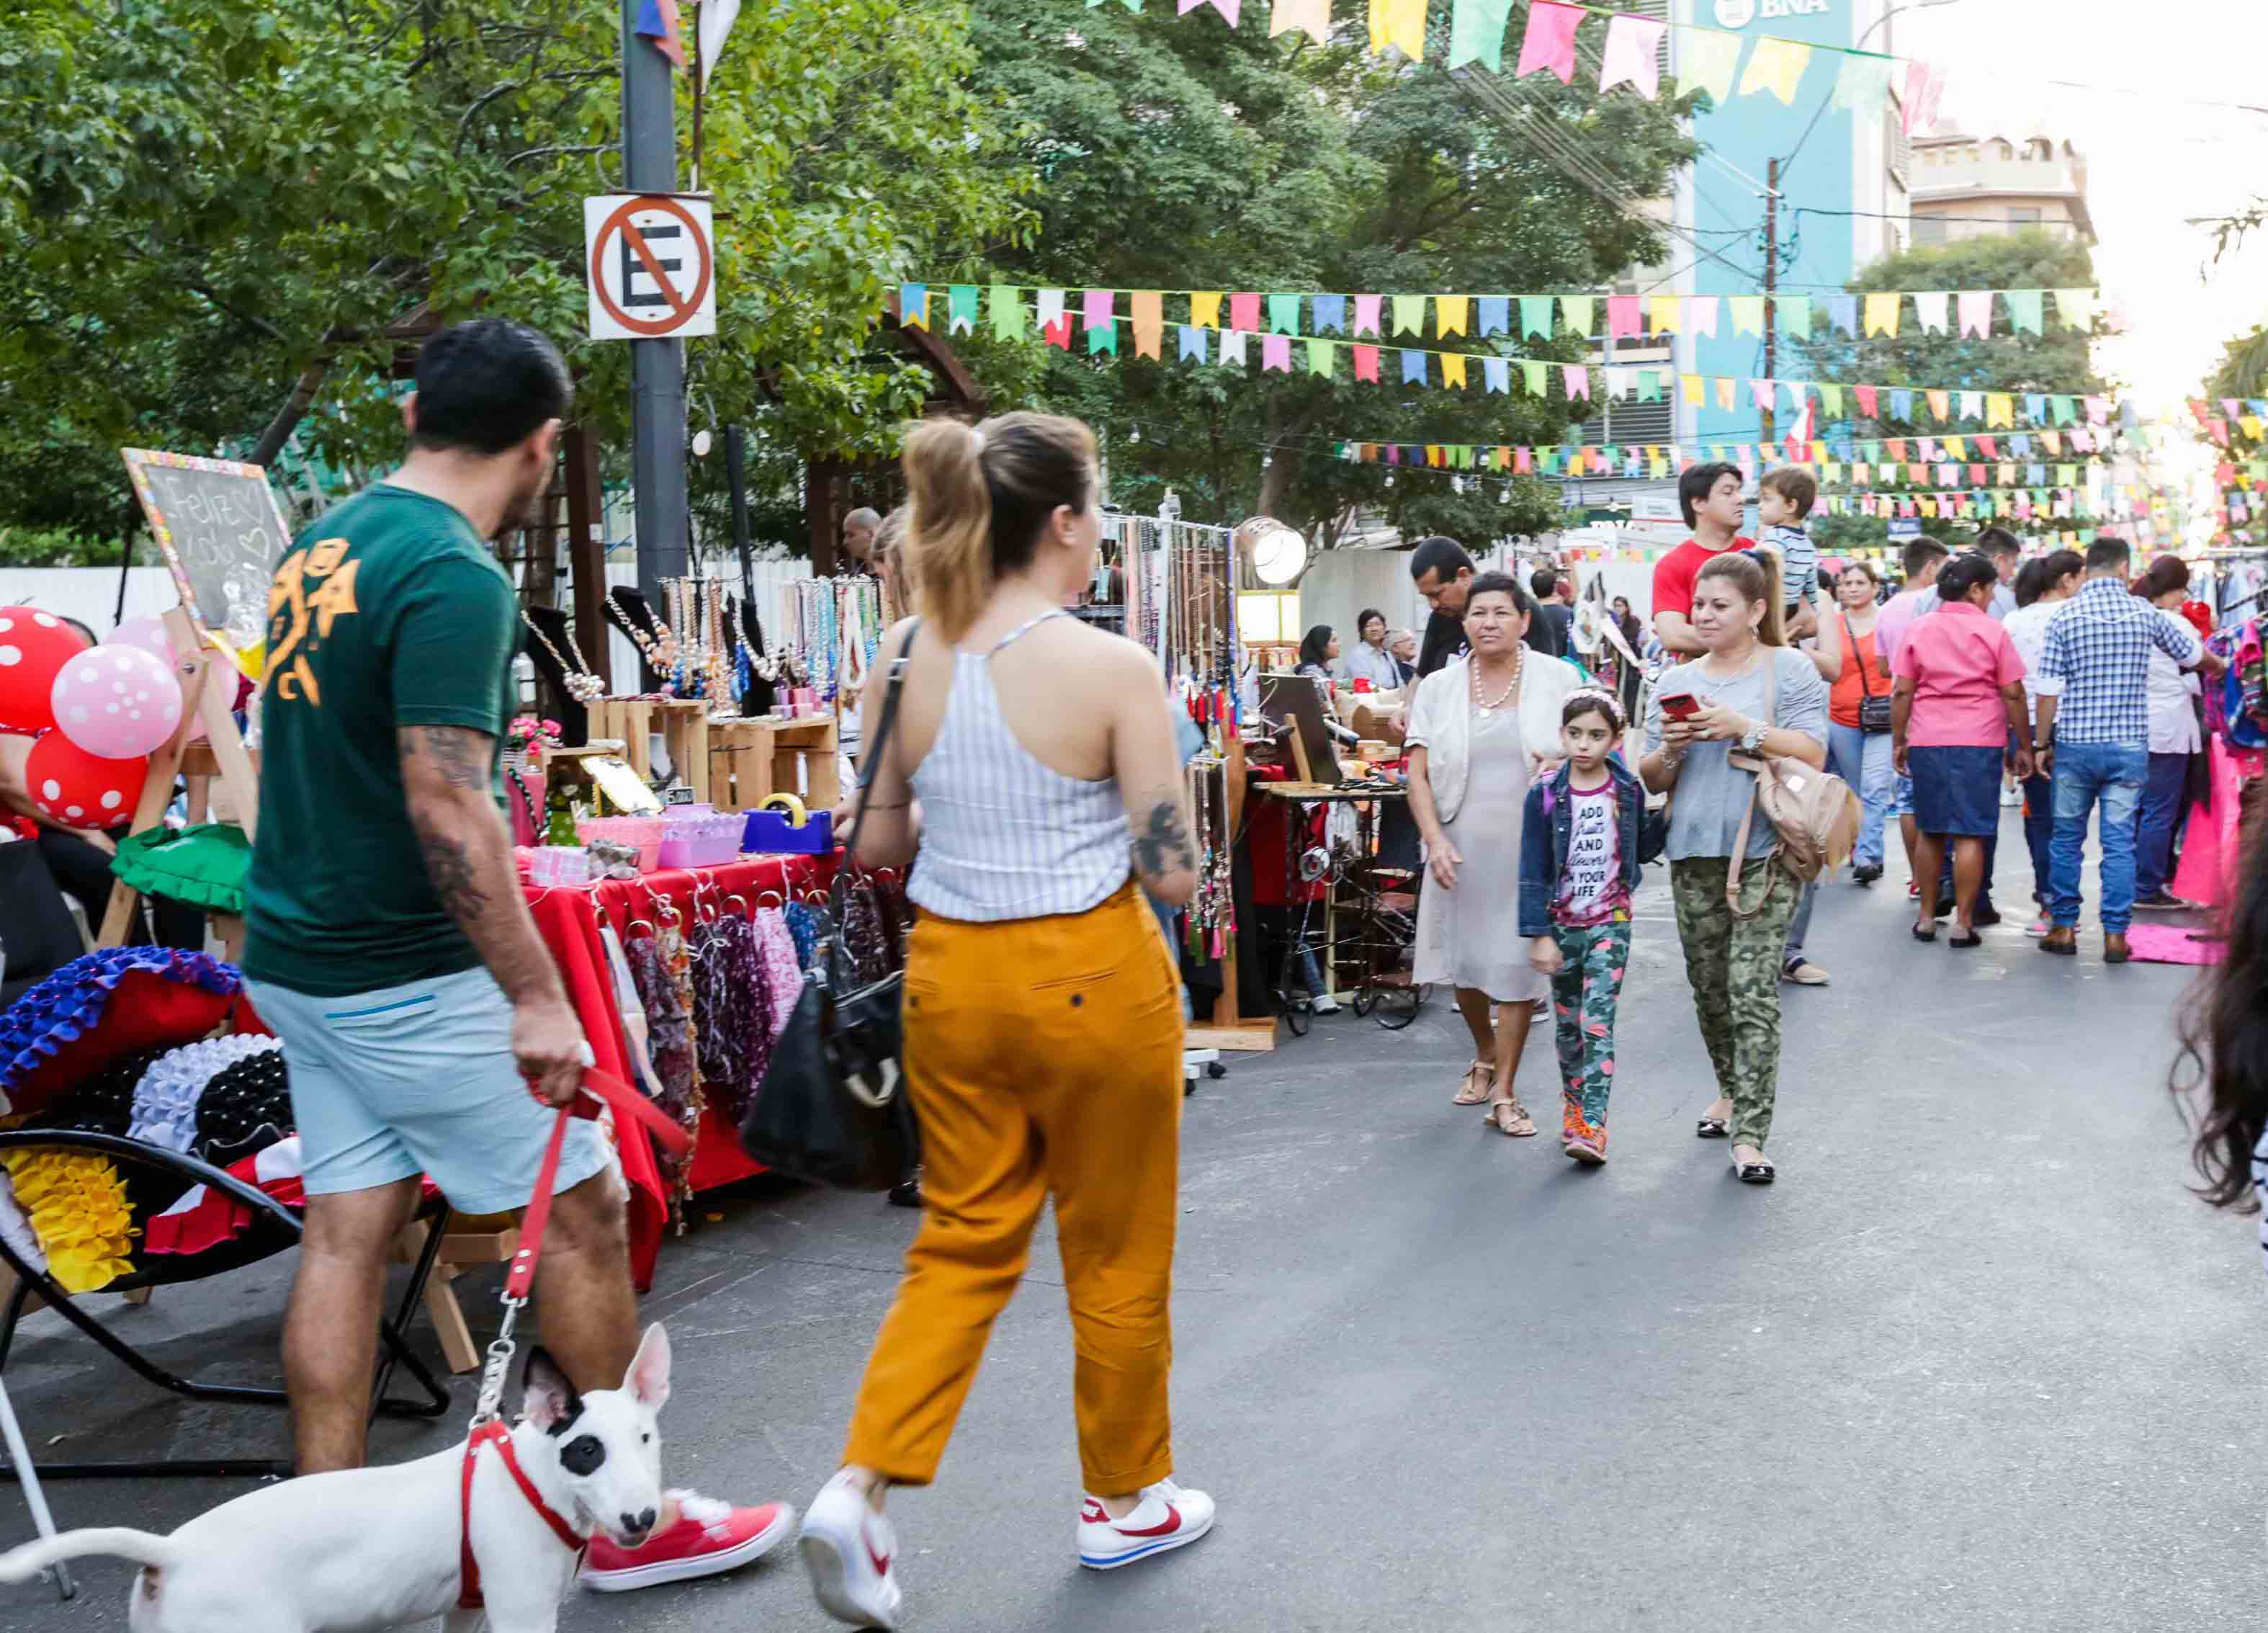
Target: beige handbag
[{"x": 1813, "y": 812}]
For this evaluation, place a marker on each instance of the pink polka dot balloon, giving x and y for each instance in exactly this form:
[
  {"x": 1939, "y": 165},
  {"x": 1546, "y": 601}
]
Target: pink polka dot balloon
[
  {"x": 117, "y": 702},
  {"x": 33, "y": 646},
  {"x": 80, "y": 789},
  {"x": 149, "y": 634}
]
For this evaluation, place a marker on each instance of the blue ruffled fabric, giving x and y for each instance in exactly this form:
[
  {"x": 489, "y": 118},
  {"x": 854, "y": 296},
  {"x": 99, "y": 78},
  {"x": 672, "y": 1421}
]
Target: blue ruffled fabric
[
  {"x": 803, "y": 925},
  {"x": 70, "y": 1003}
]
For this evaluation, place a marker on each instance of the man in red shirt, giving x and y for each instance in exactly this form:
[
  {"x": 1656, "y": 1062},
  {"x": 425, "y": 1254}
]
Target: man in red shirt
[{"x": 1710, "y": 496}]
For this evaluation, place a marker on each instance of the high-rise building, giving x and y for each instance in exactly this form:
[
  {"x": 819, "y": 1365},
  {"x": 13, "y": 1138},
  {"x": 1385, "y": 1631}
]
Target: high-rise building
[{"x": 1965, "y": 186}]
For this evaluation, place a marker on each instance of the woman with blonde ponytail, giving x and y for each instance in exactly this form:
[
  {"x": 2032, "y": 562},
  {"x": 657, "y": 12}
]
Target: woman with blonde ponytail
[{"x": 1042, "y": 1012}]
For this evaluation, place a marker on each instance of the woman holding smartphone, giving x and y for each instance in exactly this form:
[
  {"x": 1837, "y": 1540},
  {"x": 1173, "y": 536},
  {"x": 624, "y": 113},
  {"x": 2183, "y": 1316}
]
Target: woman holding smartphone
[{"x": 1749, "y": 693}]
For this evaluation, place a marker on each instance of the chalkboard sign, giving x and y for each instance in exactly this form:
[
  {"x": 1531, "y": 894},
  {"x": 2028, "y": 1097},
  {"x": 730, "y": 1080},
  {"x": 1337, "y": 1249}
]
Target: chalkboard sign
[{"x": 222, "y": 532}]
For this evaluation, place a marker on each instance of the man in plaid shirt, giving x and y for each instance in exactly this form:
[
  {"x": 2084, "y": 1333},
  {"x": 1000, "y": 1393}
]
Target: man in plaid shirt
[{"x": 2095, "y": 735}]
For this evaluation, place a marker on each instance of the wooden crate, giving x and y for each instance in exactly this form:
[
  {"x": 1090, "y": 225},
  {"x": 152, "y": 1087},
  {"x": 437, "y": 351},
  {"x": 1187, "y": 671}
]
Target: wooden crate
[
  {"x": 630, "y": 720},
  {"x": 749, "y": 761}
]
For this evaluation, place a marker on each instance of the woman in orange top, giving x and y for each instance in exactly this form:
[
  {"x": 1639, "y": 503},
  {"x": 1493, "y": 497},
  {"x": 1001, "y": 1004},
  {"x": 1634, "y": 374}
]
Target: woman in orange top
[{"x": 1845, "y": 652}]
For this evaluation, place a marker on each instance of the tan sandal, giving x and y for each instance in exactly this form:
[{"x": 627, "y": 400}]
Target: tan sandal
[
  {"x": 1479, "y": 1085},
  {"x": 1519, "y": 1125}
]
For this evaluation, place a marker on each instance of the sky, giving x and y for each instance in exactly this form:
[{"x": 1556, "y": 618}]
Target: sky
[{"x": 2157, "y": 152}]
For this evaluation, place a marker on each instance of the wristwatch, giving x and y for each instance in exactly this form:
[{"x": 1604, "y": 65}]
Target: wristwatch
[{"x": 1753, "y": 739}]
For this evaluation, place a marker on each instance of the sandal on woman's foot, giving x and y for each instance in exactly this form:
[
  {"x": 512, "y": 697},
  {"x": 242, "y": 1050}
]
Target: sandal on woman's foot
[
  {"x": 1712, "y": 1127},
  {"x": 1757, "y": 1171},
  {"x": 1478, "y": 1087},
  {"x": 1926, "y": 932},
  {"x": 1965, "y": 940},
  {"x": 1583, "y": 1152},
  {"x": 1511, "y": 1116}
]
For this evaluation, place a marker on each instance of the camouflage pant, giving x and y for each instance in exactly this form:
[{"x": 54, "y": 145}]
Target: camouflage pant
[
  {"x": 1583, "y": 994},
  {"x": 1734, "y": 965}
]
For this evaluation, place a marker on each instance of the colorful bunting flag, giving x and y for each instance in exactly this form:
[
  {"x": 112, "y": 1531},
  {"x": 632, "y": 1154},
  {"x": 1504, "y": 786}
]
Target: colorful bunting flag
[
  {"x": 1972, "y": 405},
  {"x": 1661, "y": 313},
  {"x": 1843, "y": 314},
  {"x": 1794, "y": 315},
  {"x": 1535, "y": 316},
  {"x": 1776, "y": 65},
  {"x": 1883, "y": 313},
  {"x": 1531, "y": 376},
  {"x": 1748, "y": 314},
  {"x": 1147, "y": 312},
  {"x": 1497, "y": 373},
  {"x": 2076, "y": 306},
  {"x": 1578, "y": 380},
  {"x": 1930, "y": 309},
  {"x": 1690, "y": 386},
  {"x": 1452, "y": 368},
  {"x": 1549, "y": 46},
  {"x": 1276, "y": 353},
  {"x": 1244, "y": 311},
  {"x": 1701, "y": 315},
  {"x": 1366, "y": 314},
  {"x": 913, "y": 305},
  {"x": 1575, "y": 315},
  {"x": 1101, "y": 337},
  {"x": 1284, "y": 314},
  {"x": 1312, "y": 18},
  {"x": 1058, "y": 334},
  {"x": 2024, "y": 310},
  {"x": 1410, "y": 315},
  {"x": 1366, "y": 362},
  {"x": 1495, "y": 315},
  {"x": 1632, "y": 56},
  {"x": 1413, "y": 368},
  {"x": 1863, "y": 85},
  {"x": 1937, "y": 403},
  {"x": 1449, "y": 312},
  {"x": 1205, "y": 309},
  {"x": 1708, "y": 59},
  {"x": 1623, "y": 322},
  {"x": 1233, "y": 345},
  {"x": 1322, "y": 357},
  {"x": 1330, "y": 313},
  {"x": 1725, "y": 392},
  {"x": 1399, "y": 24},
  {"x": 1008, "y": 313},
  {"x": 658, "y": 24},
  {"x": 1193, "y": 343},
  {"x": 1098, "y": 311},
  {"x": 960, "y": 308}
]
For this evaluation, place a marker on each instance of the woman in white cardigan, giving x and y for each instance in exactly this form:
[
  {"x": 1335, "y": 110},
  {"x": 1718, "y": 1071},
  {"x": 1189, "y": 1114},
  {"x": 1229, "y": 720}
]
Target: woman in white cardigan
[{"x": 1481, "y": 728}]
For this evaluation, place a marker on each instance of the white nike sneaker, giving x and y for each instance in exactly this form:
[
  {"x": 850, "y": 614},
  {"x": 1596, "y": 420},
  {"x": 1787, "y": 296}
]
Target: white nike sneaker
[
  {"x": 1166, "y": 1518},
  {"x": 849, "y": 1550}
]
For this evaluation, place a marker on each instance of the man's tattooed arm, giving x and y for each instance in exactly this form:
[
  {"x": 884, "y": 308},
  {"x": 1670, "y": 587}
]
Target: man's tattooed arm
[{"x": 468, "y": 854}]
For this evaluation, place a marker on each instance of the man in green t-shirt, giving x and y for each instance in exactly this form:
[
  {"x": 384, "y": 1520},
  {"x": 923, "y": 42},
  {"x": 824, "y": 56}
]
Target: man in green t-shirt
[{"x": 386, "y": 939}]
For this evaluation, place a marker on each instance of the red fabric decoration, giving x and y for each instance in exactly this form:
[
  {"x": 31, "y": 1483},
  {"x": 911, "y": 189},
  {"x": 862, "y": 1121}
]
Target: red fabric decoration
[
  {"x": 145, "y": 1011},
  {"x": 2200, "y": 614},
  {"x": 34, "y": 645}
]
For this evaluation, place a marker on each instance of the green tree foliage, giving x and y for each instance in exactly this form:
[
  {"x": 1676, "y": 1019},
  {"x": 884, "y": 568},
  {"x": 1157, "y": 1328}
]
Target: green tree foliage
[
  {"x": 2059, "y": 361},
  {"x": 1172, "y": 150},
  {"x": 228, "y": 213}
]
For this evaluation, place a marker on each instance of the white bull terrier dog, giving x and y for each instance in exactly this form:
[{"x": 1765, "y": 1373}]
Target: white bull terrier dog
[{"x": 378, "y": 1548}]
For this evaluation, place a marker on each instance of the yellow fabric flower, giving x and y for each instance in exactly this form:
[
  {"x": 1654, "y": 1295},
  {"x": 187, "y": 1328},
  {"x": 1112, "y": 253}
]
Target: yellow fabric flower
[{"x": 77, "y": 1207}]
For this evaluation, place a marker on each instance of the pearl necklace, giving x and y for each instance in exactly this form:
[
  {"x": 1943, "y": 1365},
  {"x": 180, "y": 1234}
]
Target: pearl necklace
[
  {"x": 581, "y": 685},
  {"x": 1488, "y": 706}
]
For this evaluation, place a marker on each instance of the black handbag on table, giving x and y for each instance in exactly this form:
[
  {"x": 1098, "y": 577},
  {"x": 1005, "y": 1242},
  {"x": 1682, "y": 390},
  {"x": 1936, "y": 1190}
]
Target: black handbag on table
[
  {"x": 833, "y": 1106},
  {"x": 1874, "y": 708}
]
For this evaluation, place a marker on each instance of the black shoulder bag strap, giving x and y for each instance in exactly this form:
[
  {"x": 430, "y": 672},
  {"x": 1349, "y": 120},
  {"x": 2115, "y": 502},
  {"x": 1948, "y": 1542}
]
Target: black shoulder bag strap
[
  {"x": 872, "y": 767},
  {"x": 1851, "y": 646}
]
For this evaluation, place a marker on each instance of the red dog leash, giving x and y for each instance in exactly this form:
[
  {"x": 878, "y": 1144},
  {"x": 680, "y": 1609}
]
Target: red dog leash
[{"x": 488, "y": 1428}]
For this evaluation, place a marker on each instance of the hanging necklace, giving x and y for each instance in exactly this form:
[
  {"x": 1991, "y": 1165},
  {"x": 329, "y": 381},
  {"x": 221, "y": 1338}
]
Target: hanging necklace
[
  {"x": 1490, "y": 705},
  {"x": 581, "y": 685}
]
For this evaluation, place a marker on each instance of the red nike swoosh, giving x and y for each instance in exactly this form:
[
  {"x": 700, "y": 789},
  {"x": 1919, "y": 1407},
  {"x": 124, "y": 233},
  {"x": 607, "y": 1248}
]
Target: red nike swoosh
[
  {"x": 1173, "y": 1524},
  {"x": 880, "y": 1562}
]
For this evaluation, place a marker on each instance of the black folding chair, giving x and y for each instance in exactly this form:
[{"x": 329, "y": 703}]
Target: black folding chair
[{"x": 274, "y": 1228}]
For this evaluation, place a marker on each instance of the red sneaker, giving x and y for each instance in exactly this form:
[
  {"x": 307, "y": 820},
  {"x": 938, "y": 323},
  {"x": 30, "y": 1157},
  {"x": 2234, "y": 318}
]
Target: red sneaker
[{"x": 709, "y": 1537}]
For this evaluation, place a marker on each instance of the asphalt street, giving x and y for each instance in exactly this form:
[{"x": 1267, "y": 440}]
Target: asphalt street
[{"x": 1979, "y": 1361}]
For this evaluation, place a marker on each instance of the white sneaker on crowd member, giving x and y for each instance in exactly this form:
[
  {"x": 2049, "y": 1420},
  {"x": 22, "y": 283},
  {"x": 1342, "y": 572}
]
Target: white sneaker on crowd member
[
  {"x": 2011, "y": 796},
  {"x": 1325, "y": 1005},
  {"x": 1166, "y": 1518},
  {"x": 850, "y": 1552},
  {"x": 2039, "y": 927}
]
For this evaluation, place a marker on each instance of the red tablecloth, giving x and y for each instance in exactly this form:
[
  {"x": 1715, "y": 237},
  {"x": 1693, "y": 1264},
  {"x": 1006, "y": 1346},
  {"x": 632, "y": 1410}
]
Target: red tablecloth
[
  {"x": 1265, "y": 820},
  {"x": 568, "y": 919}
]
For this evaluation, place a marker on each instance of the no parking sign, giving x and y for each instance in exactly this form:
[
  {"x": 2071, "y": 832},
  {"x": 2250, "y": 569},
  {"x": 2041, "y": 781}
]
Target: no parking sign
[{"x": 651, "y": 266}]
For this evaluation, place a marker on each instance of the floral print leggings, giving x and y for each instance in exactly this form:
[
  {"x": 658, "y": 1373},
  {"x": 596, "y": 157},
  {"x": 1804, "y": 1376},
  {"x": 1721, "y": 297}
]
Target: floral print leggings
[{"x": 1593, "y": 957}]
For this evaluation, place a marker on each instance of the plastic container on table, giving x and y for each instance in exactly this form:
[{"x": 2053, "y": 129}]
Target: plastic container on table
[
  {"x": 644, "y": 832},
  {"x": 698, "y": 837}
]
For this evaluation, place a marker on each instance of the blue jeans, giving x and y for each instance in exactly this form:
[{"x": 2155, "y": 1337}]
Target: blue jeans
[
  {"x": 2039, "y": 829},
  {"x": 2161, "y": 817},
  {"x": 1863, "y": 760},
  {"x": 2086, "y": 774}
]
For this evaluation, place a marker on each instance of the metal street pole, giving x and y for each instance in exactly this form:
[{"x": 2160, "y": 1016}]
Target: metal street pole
[
  {"x": 1772, "y": 287},
  {"x": 656, "y": 366}
]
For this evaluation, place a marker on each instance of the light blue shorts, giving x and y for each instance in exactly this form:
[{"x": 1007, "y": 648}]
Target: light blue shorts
[{"x": 415, "y": 1079}]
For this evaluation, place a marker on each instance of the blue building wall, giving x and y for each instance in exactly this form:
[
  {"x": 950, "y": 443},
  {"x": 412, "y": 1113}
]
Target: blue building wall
[{"x": 1747, "y": 132}]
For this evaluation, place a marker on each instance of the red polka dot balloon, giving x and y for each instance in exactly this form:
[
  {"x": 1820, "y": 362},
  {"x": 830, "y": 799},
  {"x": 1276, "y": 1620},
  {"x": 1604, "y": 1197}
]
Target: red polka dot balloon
[
  {"x": 34, "y": 645},
  {"x": 80, "y": 789}
]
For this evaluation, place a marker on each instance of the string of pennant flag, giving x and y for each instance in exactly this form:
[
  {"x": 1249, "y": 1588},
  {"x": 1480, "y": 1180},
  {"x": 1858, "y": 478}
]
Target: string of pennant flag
[
  {"x": 1205, "y": 341},
  {"x": 1966, "y": 313},
  {"x": 1919, "y": 462},
  {"x": 1718, "y": 61}
]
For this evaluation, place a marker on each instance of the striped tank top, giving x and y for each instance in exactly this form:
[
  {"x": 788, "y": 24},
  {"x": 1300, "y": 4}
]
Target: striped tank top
[{"x": 1002, "y": 836}]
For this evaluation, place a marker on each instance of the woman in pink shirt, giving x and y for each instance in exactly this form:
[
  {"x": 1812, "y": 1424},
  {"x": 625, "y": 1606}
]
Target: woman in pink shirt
[{"x": 1959, "y": 696}]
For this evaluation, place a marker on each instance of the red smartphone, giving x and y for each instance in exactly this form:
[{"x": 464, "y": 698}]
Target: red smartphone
[{"x": 1680, "y": 705}]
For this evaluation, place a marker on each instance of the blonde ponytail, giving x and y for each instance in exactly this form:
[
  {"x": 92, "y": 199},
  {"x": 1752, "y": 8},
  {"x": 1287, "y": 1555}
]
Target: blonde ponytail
[
  {"x": 949, "y": 526},
  {"x": 980, "y": 499}
]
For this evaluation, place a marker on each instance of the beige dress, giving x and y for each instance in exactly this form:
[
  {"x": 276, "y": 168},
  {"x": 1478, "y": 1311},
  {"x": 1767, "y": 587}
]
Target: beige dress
[{"x": 1470, "y": 936}]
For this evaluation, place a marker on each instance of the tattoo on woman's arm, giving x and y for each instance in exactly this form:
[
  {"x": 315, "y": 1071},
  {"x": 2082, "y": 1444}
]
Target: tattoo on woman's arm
[{"x": 1163, "y": 846}]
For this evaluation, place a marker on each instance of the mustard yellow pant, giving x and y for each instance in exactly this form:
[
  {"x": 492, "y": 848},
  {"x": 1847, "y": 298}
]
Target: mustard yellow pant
[{"x": 1045, "y": 1061}]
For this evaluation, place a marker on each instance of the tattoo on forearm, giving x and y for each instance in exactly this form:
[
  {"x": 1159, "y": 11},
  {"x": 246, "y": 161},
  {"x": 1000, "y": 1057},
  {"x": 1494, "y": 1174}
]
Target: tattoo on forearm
[
  {"x": 1163, "y": 846},
  {"x": 448, "y": 864},
  {"x": 463, "y": 756}
]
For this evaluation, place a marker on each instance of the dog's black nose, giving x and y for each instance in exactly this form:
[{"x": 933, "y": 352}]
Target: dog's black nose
[{"x": 637, "y": 1525}]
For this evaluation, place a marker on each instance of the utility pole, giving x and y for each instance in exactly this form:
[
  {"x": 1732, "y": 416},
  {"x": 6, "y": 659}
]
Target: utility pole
[
  {"x": 1772, "y": 286},
  {"x": 656, "y": 366}
]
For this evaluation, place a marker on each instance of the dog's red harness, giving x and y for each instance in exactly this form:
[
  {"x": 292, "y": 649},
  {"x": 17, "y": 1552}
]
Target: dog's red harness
[{"x": 488, "y": 1429}]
